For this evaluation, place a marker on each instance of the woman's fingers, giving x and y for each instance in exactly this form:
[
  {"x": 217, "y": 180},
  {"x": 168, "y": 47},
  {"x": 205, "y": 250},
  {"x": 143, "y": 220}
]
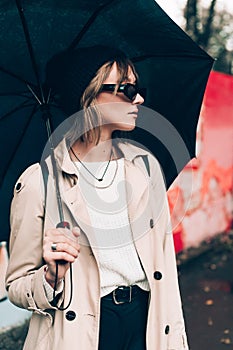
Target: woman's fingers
[
  {"x": 61, "y": 244},
  {"x": 76, "y": 231},
  {"x": 64, "y": 236},
  {"x": 55, "y": 256},
  {"x": 65, "y": 247}
]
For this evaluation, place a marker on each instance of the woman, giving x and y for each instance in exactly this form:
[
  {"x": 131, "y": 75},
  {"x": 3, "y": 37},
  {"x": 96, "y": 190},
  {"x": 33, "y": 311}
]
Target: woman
[{"x": 126, "y": 293}]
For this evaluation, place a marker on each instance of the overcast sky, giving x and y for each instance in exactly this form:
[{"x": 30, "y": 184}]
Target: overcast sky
[{"x": 174, "y": 7}]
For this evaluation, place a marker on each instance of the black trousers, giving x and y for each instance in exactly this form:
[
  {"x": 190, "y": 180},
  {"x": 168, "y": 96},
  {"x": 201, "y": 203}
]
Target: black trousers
[{"x": 123, "y": 327}]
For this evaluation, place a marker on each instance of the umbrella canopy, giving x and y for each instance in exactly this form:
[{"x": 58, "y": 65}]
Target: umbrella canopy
[{"x": 171, "y": 66}]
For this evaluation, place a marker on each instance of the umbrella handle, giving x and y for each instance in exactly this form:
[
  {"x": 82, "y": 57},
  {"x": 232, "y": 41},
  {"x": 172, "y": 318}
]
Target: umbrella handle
[{"x": 63, "y": 224}]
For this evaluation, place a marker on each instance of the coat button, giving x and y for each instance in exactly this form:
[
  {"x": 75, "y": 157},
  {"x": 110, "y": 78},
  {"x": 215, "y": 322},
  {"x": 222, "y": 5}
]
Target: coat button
[
  {"x": 18, "y": 186},
  {"x": 70, "y": 315},
  {"x": 151, "y": 223},
  {"x": 167, "y": 329},
  {"x": 157, "y": 275}
]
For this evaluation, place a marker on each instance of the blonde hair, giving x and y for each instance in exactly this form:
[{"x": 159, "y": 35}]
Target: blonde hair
[{"x": 89, "y": 125}]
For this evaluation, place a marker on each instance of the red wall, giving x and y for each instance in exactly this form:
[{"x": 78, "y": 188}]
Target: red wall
[{"x": 201, "y": 198}]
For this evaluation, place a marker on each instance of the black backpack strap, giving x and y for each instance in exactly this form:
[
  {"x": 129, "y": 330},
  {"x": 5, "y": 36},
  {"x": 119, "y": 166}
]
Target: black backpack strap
[
  {"x": 45, "y": 174},
  {"x": 146, "y": 162}
]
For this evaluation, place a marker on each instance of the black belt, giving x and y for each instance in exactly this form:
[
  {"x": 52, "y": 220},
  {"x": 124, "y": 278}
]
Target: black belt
[{"x": 125, "y": 294}]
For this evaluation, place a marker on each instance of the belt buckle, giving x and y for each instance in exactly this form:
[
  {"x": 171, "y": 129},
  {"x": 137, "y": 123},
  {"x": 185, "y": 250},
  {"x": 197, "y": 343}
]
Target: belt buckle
[{"x": 122, "y": 302}]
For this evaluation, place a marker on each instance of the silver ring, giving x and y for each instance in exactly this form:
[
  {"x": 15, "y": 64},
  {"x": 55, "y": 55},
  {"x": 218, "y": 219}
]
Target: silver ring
[{"x": 54, "y": 247}]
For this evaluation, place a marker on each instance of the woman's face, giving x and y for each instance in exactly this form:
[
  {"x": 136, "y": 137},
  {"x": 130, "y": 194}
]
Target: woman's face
[{"x": 118, "y": 112}]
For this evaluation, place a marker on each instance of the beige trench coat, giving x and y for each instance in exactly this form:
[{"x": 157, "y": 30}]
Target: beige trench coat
[{"x": 51, "y": 329}]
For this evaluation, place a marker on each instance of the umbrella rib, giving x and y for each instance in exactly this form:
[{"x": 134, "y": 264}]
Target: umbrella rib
[
  {"x": 22, "y": 105},
  {"x": 20, "y": 94},
  {"x": 144, "y": 57},
  {"x": 18, "y": 144},
  {"x": 30, "y": 47},
  {"x": 88, "y": 24},
  {"x": 6, "y": 71}
]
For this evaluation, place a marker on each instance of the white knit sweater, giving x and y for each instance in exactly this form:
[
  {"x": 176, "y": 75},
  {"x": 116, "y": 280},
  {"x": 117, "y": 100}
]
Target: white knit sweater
[{"x": 107, "y": 208}]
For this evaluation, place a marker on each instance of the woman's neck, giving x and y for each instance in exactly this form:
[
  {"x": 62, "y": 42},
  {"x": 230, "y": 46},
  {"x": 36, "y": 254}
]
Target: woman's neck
[{"x": 90, "y": 152}]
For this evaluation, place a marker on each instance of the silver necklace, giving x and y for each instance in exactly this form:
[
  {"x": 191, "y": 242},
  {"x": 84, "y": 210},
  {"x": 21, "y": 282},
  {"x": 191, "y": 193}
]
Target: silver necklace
[
  {"x": 93, "y": 175},
  {"x": 98, "y": 187}
]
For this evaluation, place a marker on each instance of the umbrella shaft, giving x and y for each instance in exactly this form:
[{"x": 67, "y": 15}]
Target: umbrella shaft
[{"x": 54, "y": 166}]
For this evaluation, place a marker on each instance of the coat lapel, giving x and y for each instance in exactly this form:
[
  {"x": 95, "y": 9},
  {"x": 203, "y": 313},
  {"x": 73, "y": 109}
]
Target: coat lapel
[
  {"x": 77, "y": 206},
  {"x": 137, "y": 190}
]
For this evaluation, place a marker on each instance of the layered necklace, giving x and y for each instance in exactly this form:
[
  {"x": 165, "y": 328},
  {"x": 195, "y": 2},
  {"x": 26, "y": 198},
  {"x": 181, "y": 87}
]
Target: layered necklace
[{"x": 99, "y": 179}]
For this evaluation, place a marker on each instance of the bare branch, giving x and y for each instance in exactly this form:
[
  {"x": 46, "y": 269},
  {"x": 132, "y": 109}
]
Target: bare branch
[
  {"x": 205, "y": 36},
  {"x": 192, "y": 18}
]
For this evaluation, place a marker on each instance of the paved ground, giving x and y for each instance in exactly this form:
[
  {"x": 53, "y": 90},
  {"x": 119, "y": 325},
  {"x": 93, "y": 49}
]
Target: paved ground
[{"x": 207, "y": 289}]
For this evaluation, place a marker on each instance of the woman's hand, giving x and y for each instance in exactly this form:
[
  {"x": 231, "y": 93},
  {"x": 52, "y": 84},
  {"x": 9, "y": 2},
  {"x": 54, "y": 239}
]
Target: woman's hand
[{"x": 67, "y": 249}]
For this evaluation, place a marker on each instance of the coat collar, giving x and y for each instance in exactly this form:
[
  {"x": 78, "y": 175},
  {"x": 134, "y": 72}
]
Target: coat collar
[{"x": 128, "y": 150}]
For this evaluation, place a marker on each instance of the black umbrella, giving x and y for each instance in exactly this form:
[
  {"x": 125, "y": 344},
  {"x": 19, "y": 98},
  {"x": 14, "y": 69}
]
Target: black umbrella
[{"x": 171, "y": 66}]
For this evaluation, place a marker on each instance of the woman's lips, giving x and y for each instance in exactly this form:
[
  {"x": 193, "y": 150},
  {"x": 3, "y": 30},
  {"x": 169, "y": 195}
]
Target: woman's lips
[{"x": 134, "y": 113}]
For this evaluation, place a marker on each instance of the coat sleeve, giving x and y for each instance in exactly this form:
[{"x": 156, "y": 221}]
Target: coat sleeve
[
  {"x": 24, "y": 278},
  {"x": 177, "y": 334}
]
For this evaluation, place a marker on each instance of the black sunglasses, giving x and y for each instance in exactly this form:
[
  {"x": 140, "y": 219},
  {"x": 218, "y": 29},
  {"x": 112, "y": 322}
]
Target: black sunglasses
[{"x": 129, "y": 90}]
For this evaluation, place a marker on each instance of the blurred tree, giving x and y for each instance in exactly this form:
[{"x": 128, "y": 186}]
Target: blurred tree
[{"x": 212, "y": 29}]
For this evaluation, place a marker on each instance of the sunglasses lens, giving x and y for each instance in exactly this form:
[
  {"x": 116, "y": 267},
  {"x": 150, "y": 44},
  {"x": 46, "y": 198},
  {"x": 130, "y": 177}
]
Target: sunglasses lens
[{"x": 130, "y": 91}]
